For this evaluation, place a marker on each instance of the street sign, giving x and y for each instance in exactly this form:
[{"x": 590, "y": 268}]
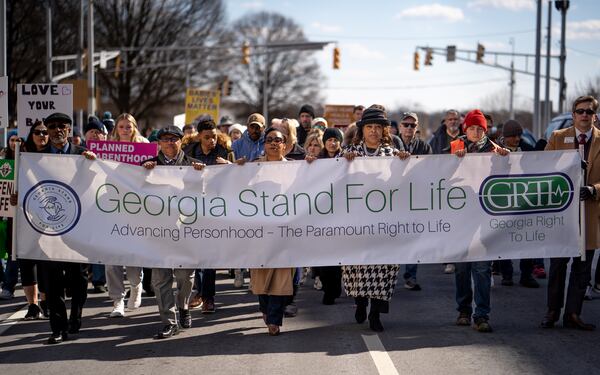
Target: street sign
[
  {"x": 3, "y": 102},
  {"x": 339, "y": 115},
  {"x": 200, "y": 102},
  {"x": 36, "y": 101}
]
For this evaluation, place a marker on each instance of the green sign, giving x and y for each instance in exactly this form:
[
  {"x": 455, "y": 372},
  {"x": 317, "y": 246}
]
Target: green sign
[
  {"x": 526, "y": 194},
  {"x": 7, "y": 169}
]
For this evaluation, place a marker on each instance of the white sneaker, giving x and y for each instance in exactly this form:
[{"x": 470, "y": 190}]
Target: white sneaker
[
  {"x": 5, "y": 294},
  {"x": 118, "y": 309},
  {"x": 318, "y": 285},
  {"x": 135, "y": 297},
  {"x": 305, "y": 272},
  {"x": 449, "y": 268},
  {"x": 238, "y": 282}
]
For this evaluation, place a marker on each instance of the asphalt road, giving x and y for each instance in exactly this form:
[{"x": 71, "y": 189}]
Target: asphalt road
[{"x": 419, "y": 338}]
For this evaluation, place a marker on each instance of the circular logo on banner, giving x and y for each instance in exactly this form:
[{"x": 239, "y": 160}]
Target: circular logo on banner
[{"x": 52, "y": 208}]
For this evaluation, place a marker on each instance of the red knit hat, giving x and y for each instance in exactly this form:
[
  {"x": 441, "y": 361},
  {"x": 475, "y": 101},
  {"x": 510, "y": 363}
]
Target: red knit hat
[{"x": 475, "y": 118}]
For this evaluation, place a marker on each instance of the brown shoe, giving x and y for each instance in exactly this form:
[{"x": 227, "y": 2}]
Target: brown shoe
[
  {"x": 575, "y": 322},
  {"x": 550, "y": 318},
  {"x": 273, "y": 330},
  {"x": 208, "y": 306},
  {"x": 464, "y": 319},
  {"x": 195, "y": 302}
]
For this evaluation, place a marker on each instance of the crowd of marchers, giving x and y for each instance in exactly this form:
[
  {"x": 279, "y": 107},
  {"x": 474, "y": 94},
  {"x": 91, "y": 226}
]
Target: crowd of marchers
[{"x": 47, "y": 284}]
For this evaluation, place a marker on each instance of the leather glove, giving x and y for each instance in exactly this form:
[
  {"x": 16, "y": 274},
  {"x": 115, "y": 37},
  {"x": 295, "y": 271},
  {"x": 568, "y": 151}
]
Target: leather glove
[
  {"x": 586, "y": 192},
  {"x": 584, "y": 165}
]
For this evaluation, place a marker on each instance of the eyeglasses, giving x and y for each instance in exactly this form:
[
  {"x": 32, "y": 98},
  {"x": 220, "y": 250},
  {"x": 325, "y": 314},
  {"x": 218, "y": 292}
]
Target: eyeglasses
[
  {"x": 276, "y": 140},
  {"x": 409, "y": 125},
  {"x": 55, "y": 126},
  {"x": 169, "y": 140},
  {"x": 43, "y": 133},
  {"x": 581, "y": 111}
]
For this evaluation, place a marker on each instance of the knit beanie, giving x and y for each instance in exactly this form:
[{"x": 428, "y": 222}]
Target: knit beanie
[
  {"x": 307, "y": 108},
  {"x": 475, "y": 118},
  {"x": 512, "y": 128},
  {"x": 333, "y": 133}
]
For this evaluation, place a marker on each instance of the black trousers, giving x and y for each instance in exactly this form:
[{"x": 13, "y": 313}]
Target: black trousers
[
  {"x": 377, "y": 305},
  {"x": 58, "y": 277},
  {"x": 331, "y": 277},
  {"x": 581, "y": 273},
  {"x": 525, "y": 265}
]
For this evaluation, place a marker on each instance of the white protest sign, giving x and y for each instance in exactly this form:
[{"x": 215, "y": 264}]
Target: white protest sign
[
  {"x": 430, "y": 209},
  {"x": 3, "y": 102},
  {"x": 36, "y": 101}
]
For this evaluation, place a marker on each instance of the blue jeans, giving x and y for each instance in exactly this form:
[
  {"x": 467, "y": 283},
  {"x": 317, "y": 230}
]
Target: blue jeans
[
  {"x": 481, "y": 273},
  {"x": 11, "y": 275},
  {"x": 98, "y": 275},
  {"x": 410, "y": 272},
  {"x": 205, "y": 280},
  {"x": 273, "y": 307}
]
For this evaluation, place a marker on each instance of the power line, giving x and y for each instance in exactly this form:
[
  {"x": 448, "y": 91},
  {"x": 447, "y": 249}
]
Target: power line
[
  {"x": 374, "y": 37},
  {"x": 584, "y": 52},
  {"x": 416, "y": 86}
]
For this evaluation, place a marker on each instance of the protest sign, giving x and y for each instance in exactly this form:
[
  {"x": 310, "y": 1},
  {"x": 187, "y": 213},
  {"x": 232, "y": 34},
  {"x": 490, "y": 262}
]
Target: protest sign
[
  {"x": 283, "y": 214},
  {"x": 124, "y": 152},
  {"x": 201, "y": 102},
  {"x": 7, "y": 187},
  {"x": 36, "y": 101},
  {"x": 339, "y": 115}
]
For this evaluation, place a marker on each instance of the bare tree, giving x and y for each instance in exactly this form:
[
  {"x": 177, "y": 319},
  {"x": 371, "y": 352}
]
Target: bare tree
[
  {"x": 293, "y": 76},
  {"x": 151, "y": 78},
  {"x": 26, "y": 40}
]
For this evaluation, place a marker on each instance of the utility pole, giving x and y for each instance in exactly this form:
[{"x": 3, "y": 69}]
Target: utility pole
[
  {"x": 3, "y": 68},
  {"x": 90, "y": 67},
  {"x": 511, "y": 107},
  {"x": 48, "y": 41},
  {"x": 265, "y": 111},
  {"x": 536, "y": 85},
  {"x": 548, "y": 107},
  {"x": 562, "y": 6}
]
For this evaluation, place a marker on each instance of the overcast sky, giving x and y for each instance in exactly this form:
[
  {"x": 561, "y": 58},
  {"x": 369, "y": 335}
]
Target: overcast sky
[{"x": 377, "y": 40}]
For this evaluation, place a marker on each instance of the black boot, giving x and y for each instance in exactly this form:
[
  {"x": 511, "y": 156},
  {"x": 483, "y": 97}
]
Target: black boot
[
  {"x": 361, "y": 309},
  {"x": 375, "y": 322},
  {"x": 185, "y": 318}
]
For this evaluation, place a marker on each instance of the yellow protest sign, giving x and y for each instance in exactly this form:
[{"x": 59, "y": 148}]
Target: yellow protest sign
[{"x": 201, "y": 102}]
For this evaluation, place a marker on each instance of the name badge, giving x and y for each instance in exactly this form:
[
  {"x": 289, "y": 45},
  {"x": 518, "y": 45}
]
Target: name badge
[{"x": 569, "y": 140}]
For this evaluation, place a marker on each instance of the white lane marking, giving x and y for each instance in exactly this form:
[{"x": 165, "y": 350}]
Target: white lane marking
[
  {"x": 13, "y": 319},
  {"x": 382, "y": 360}
]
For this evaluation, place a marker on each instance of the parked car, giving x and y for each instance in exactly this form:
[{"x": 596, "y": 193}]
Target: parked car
[{"x": 559, "y": 122}]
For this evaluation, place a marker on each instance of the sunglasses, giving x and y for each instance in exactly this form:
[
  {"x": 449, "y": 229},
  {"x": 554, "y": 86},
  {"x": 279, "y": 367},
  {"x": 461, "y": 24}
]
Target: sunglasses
[
  {"x": 55, "y": 126},
  {"x": 586, "y": 111},
  {"x": 169, "y": 140},
  {"x": 40, "y": 132},
  {"x": 276, "y": 140},
  {"x": 409, "y": 125}
]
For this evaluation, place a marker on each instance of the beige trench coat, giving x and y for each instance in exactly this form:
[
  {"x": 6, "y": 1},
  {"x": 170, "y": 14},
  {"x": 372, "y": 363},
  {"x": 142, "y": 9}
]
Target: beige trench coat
[
  {"x": 272, "y": 281},
  {"x": 592, "y": 208}
]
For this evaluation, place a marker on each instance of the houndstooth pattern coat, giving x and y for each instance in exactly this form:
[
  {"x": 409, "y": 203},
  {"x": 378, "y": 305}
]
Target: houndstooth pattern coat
[{"x": 373, "y": 281}]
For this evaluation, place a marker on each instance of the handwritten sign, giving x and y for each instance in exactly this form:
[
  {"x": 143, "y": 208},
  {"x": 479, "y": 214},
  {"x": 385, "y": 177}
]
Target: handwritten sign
[
  {"x": 7, "y": 187},
  {"x": 3, "y": 102},
  {"x": 339, "y": 115},
  {"x": 201, "y": 102},
  {"x": 36, "y": 101},
  {"x": 124, "y": 152}
]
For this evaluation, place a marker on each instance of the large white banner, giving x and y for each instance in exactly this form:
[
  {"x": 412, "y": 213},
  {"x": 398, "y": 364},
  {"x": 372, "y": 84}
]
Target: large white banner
[
  {"x": 429, "y": 209},
  {"x": 36, "y": 101}
]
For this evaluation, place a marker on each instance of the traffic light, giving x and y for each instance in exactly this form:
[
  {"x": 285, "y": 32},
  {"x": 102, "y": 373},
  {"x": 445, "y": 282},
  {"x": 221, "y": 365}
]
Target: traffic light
[
  {"x": 246, "y": 53},
  {"x": 416, "y": 61},
  {"x": 428, "y": 56},
  {"x": 480, "y": 53},
  {"x": 336, "y": 58},
  {"x": 226, "y": 88},
  {"x": 117, "y": 66}
]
